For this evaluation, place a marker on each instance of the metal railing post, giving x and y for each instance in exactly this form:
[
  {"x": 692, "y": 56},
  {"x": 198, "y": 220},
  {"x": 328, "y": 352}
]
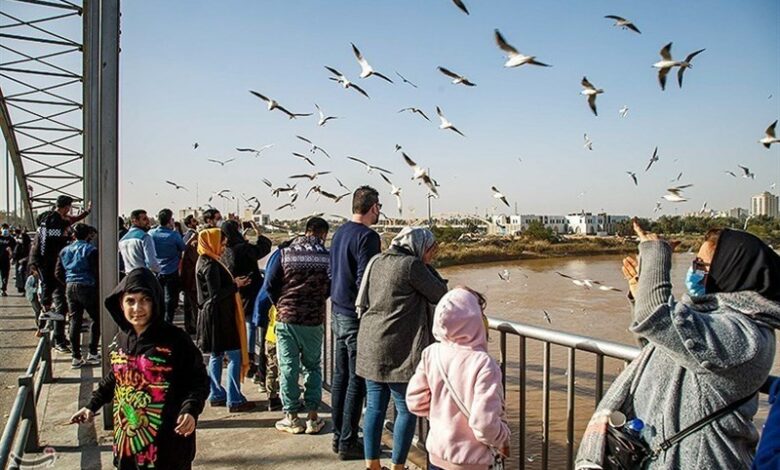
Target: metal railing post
[
  {"x": 29, "y": 414},
  {"x": 48, "y": 374}
]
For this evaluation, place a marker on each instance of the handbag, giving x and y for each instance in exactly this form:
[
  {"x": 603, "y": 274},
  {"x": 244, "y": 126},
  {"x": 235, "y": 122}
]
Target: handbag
[
  {"x": 628, "y": 451},
  {"x": 498, "y": 459}
]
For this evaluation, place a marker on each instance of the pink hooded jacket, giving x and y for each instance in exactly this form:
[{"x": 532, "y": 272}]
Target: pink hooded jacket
[{"x": 455, "y": 442}]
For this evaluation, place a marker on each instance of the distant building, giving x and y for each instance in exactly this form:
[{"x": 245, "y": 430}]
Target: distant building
[
  {"x": 582, "y": 223},
  {"x": 183, "y": 213},
  {"x": 586, "y": 223},
  {"x": 765, "y": 203},
  {"x": 736, "y": 212}
]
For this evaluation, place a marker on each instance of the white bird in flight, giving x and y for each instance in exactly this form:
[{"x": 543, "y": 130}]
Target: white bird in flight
[
  {"x": 624, "y": 23},
  {"x": 497, "y": 194},
  {"x": 311, "y": 177},
  {"x": 653, "y": 159},
  {"x": 345, "y": 83},
  {"x": 405, "y": 80},
  {"x": 623, "y": 112},
  {"x": 590, "y": 93},
  {"x": 446, "y": 124},
  {"x": 504, "y": 275},
  {"x": 746, "y": 172},
  {"x": 461, "y": 5},
  {"x": 770, "y": 138},
  {"x": 588, "y": 283},
  {"x": 457, "y": 79},
  {"x": 415, "y": 111},
  {"x": 221, "y": 162},
  {"x": 667, "y": 63},
  {"x": 255, "y": 151},
  {"x": 633, "y": 177},
  {"x": 304, "y": 157},
  {"x": 674, "y": 193},
  {"x": 421, "y": 174},
  {"x": 588, "y": 143},
  {"x": 323, "y": 119},
  {"x": 177, "y": 186},
  {"x": 514, "y": 58},
  {"x": 365, "y": 68},
  {"x": 314, "y": 147},
  {"x": 273, "y": 104},
  {"x": 395, "y": 191},
  {"x": 370, "y": 168}
]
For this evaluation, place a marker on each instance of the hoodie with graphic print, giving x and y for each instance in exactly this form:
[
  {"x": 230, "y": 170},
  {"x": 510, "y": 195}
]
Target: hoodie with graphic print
[{"x": 155, "y": 377}]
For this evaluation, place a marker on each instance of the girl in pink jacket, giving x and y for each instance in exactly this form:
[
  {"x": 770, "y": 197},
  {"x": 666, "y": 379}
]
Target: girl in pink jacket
[{"x": 457, "y": 386}]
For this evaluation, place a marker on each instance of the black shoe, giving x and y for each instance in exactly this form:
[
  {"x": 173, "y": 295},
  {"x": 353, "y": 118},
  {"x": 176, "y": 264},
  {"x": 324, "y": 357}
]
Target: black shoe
[
  {"x": 243, "y": 407},
  {"x": 353, "y": 452},
  {"x": 274, "y": 404},
  {"x": 217, "y": 403},
  {"x": 335, "y": 446},
  {"x": 4, "y": 294},
  {"x": 63, "y": 348}
]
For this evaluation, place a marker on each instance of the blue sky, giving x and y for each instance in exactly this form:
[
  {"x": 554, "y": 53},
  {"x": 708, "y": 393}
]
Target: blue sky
[{"x": 187, "y": 66}]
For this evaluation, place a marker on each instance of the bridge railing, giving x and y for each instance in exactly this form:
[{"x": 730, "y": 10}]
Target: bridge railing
[
  {"x": 533, "y": 341},
  {"x": 21, "y": 431}
]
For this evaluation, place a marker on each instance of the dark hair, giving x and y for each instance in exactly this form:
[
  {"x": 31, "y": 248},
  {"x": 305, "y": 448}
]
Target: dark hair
[
  {"x": 164, "y": 216},
  {"x": 136, "y": 214},
  {"x": 209, "y": 214},
  {"x": 188, "y": 220},
  {"x": 4, "y": 225},
  {"x": 82, "y": 231},
  {"x": 120, "y": 222},
  {"x": 64, "y": 201},
  {"x": 317, "y": 226},
  {"x": 363, "y": 199}
]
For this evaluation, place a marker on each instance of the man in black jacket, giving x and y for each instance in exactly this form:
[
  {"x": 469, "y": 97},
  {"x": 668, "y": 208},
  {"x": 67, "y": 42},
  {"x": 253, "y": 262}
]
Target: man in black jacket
[{"x": 158, "y": 382}]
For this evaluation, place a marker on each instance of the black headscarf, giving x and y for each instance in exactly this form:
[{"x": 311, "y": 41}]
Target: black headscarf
[
  {"x": 138, "y": 280},
  {"x": 742, "y": 262},
  {"x": 232, "y": 232}
]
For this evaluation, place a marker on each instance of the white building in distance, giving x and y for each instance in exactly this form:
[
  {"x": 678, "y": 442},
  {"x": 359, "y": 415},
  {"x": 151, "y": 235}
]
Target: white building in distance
[
  {"x": 582, "y": 223},
  {"x": 765, "y": 203}
]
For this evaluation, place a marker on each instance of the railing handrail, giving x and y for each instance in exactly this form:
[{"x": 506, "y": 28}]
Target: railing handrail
[
  {"x": 586, "y": 343},
  {"x": 23, "y": 415}
]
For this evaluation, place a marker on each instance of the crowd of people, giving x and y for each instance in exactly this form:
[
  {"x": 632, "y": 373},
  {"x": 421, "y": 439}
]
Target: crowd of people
[{"x": 400, "y": 333}]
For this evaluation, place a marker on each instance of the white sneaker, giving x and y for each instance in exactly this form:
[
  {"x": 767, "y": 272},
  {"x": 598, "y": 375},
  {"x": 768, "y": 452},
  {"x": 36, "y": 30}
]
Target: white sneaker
[
  {"x": 76, "y": 363},
  {"x": 313, "y": 427},
  {"x": 291, "y": 423},
  {"x": 51, "y": 315},
  {"x": 93, "y": 359}
]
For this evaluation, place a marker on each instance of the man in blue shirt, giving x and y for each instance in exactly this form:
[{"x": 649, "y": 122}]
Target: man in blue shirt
[
  {"x": 77, "y": 269},
  {"x": 353, "y": 244},
  {"x": 136, "y": 247},
  {"x": 168, "y": 245}
]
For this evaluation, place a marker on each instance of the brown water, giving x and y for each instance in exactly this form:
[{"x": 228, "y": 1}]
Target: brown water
[{"x": 533, "y": 287}]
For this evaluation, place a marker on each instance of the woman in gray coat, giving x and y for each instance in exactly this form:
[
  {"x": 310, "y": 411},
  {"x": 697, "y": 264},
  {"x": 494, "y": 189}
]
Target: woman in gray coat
[
  {"x": 713, "y": 349},
  {"x": 395, "y": 302}
]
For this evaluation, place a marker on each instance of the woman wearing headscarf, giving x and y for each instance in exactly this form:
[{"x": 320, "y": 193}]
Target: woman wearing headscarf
[
  {"x": 395, "y": 303},
  {"x": 221, "y": 329},
  {"x": 241, "y": 258},
  {"x": 707, "y": 354}
]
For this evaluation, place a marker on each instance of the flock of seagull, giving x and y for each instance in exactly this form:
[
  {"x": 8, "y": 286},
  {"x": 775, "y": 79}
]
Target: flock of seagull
[{"x": 420, "y": 173}]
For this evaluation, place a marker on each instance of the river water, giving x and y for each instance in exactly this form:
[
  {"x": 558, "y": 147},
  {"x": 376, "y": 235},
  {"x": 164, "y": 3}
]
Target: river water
[{"x": 533, "y": 287}]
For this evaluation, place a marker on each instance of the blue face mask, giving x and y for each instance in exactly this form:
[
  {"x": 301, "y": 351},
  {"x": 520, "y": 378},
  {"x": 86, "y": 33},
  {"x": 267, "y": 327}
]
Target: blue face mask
[
  {"x": 5, "y": 232},
  {"x": 694, "y": 281}
]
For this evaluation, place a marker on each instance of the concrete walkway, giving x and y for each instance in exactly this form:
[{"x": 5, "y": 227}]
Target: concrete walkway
[{"x": 225, "y": 440}]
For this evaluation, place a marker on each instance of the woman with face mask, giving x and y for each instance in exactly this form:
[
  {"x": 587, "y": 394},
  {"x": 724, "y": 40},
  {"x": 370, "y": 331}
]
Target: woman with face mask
[{"x": 703, "y": 358}]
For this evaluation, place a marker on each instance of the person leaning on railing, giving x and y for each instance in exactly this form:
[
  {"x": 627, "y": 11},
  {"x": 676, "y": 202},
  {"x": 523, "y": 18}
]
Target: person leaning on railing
[{"x": 712, "y": 349}]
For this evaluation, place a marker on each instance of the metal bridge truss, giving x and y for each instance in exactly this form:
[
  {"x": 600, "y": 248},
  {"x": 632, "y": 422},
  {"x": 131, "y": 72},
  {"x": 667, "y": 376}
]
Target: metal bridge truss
[{"x": 42, "y": 98}]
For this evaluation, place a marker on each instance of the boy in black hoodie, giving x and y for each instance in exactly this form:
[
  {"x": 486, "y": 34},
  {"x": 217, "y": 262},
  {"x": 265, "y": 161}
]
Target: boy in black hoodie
[{"x": 158, "y": 381}]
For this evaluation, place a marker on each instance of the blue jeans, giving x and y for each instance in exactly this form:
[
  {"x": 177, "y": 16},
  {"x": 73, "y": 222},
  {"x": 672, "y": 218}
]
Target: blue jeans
[
  {"x": 377, "y": 398},
  {"x": 348, "y": 390},
  {"x": 171, "y": 284},
  {"x": 216, "y": 391}
]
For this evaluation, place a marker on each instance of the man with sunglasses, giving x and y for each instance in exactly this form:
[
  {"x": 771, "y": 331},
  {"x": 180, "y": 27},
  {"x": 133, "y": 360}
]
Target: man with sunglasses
[{"x": 353, "y": 244}]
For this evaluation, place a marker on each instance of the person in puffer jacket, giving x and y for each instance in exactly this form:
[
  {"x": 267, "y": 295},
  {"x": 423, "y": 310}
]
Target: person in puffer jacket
[{"x": 457, "y": 441}]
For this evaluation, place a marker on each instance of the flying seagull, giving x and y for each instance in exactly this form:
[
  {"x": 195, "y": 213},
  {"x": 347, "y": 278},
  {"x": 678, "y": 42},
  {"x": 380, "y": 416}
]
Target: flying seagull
[
  {"x": 195, "y": 146},
  {"x": 653, "y": 159},
  {"x": 623, "y": 23},
  {"x": 342, "y": 184},
  {"x": 546, "y": 317},
  {"x": 365, "y": 68},
  {"x": 588, "y": 143},
  {"x": 304, "y": 157},
  {"x": 667, "y": 63},
  {"x": 311, "y": 177},
  {"x": 456, "y": 78},
  {"x": 336, "y": 199},
  {"x": 273, "y": 104},
  {"x": 255, "y": 151},
  {"x": 395, "y": 191},
  {"x": 679, "y": 175},
  {"x": 445, "y": 124},
  {"x": 504, "y": 275},
  {"x": 176, "y": 185},
  {"x": 674, "y": 193},
  {"x": 279, "y": 190},
  {"x": 514, "y": 58},
  {"x": 703, "y": 208},
  {"x": 633, "y": 177},
  {"x": 497, "y": 194},
  {"x": 461, "y": 5},
  {"x": 588, "y": 283},
  {"x": 221, "y": 162},
  {"x": 623, "y": 112},
  {"x": 345, "y": 83},
  {"x": 369, "y": 168},
  {"x": 289, "y": 204},
  {"x": 314, "y": 147},
  {"x": 590, "y": 92},
  {"x": 746, "y": 172},
  {"x": 415, "y": 110},
  {"x": 405, "y": 80},
  {"x": 323, "y": 119},
  {"x": 421, "y": 174},
  {"x": 770, "y": 138},
  {"x": 657, "y": 207},
  {"x": 730, "y": 173},
  {"x": 398, "y": 147}
]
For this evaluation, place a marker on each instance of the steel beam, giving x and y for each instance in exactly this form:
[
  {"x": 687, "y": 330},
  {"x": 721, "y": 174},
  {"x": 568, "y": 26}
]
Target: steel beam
[
  {"x": 16, "y": 159},
  {"x": 91, "y": 100}
]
